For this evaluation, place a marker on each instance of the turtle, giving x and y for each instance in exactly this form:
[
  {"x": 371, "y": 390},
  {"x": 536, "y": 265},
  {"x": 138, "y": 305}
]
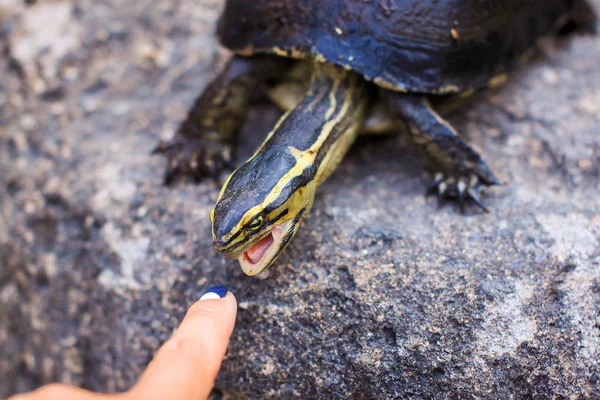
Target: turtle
[{"x": 341, "y": 68}]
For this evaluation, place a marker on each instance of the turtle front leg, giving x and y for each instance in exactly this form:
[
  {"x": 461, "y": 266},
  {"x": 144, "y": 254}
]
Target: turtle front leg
[
  {"x": 582, "y": 16},
  {"x": 462, "y": 172},
  {"x": 204, "y": 144}
]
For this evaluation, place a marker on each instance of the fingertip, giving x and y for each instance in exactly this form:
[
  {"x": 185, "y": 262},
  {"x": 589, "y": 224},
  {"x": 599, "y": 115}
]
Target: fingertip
[
  {"x": 232, "y": 297},
  {"x": 188, "y": 363},
  {"x": 216, "y": 314},
  {"x": 215, "y": 293},
  {"x": 232, "y": 301}
]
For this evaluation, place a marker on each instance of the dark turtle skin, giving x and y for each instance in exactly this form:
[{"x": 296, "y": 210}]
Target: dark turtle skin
[
  {"x": 354, "y": 59},
  {"x": 423, "y": 46},
  {"x": 418, "y": 47}
]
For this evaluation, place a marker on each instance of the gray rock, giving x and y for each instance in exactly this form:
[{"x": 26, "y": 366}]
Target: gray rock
[{"x": 381, "y": 295}]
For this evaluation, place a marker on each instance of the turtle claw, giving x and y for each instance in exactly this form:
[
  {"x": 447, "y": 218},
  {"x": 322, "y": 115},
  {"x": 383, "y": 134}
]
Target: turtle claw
[
  {"x": 198, "y": 158},
  {"x": 434, "y": 186},
  {"x": 463, "y": 187},
  {"x": 474, "y": 196}
]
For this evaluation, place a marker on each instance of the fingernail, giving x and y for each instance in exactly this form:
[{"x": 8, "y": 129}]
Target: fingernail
[{"x": 214, "y": 293}]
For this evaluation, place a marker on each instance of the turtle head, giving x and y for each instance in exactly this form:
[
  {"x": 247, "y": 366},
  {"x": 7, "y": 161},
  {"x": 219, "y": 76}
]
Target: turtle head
[
  {"x": 264, "y": 201},
  {"x": 260, "y": 209}
]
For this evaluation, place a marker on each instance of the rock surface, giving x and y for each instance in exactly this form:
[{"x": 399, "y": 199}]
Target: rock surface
[{"x": 381, "y": 294}]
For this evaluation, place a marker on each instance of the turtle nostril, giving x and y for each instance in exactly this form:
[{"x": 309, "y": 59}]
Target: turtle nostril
[{"x": 219, "y": 244}]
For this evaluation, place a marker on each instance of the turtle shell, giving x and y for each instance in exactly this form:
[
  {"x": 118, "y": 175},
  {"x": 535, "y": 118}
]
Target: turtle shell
[{"x": 426, "y": 46}]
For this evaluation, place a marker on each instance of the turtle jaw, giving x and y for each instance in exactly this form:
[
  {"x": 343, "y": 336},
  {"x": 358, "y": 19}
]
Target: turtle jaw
[{"x": 262, "y": 253}]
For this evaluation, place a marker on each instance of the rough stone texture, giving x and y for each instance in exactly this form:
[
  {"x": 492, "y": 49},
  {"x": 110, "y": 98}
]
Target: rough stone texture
[{"x": 381, "y": 294}]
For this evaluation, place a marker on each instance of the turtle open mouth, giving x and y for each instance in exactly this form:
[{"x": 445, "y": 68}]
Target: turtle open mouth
[{"x": 262, "y": 253}]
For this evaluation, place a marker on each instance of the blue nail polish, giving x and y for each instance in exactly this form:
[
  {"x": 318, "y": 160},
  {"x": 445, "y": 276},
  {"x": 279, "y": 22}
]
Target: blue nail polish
[{"x": 214, "y": 293}]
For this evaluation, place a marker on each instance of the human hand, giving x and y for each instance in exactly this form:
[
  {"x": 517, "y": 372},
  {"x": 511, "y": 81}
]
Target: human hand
[{"x": 186, "y": 365}]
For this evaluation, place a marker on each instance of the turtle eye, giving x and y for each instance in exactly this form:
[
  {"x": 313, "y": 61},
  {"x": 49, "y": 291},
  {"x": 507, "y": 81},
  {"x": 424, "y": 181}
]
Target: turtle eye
[{"x": 256, "y": 224}]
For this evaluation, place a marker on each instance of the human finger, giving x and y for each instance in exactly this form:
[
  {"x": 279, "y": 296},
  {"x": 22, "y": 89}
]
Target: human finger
[{"x": 187, "y": 364}]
